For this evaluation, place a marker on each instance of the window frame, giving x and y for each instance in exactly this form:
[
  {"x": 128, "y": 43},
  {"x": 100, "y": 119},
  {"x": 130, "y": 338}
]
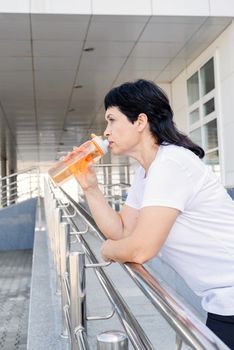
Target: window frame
[{"x": 199, "y": 104}]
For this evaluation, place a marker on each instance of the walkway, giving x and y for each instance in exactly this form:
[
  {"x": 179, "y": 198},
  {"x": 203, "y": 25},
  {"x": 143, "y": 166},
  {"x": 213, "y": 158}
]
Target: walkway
[{"x": 15, "y": 277}]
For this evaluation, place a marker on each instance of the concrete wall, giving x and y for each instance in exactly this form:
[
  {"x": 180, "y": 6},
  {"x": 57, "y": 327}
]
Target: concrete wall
[
  {"x": 223, "y": 51},
  {"x": 17, "y": 224}
]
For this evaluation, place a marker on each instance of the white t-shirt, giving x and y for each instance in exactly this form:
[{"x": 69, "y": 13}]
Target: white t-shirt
[{"x": 200, "y": 245}]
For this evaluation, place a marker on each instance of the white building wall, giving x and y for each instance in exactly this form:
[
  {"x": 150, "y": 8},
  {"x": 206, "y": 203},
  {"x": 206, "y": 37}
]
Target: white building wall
[{"x": 223, "y": 51}]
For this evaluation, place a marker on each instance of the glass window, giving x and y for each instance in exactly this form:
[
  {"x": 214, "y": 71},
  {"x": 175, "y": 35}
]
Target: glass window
[
  {"x": 209, "y": 107},
  {"x": 193, "y": 89},
  {"x": 195, "y": 135},
  {"x": 202, "y": 112},
  {"x": 194, "y": 116},
  {"x": 212, "y": 159},
  {"x": 207, "y": 77},
  {"x": 210, "y": 135}
]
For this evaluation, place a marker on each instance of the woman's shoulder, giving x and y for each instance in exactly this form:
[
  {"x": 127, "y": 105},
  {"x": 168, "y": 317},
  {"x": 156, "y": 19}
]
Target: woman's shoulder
[
  {"x": 179, "y": 154},
  {"x": 177, "y": 159}
]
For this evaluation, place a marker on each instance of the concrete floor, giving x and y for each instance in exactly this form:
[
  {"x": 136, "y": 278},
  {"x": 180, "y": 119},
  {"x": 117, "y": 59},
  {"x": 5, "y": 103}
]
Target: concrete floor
[{"x": 15, "y": 279}]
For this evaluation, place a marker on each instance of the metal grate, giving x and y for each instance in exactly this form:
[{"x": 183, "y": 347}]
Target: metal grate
[{"x": 15, "y": 277}]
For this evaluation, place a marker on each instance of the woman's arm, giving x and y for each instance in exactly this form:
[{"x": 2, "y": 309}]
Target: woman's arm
[
  {"x": 151, "y": 231},
  {"x": 112, "y": 224}
]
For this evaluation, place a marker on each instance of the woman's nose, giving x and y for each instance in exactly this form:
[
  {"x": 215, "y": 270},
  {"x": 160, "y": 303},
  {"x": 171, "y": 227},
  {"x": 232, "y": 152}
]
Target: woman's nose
[{"x": 106, "y": 132}]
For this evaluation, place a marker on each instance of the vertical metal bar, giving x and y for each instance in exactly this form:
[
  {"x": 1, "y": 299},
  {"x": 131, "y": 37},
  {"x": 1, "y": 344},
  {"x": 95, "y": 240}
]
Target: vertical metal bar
[
  {"x": 128, "y": 171},
  {"x": 39, "y": 199},
  {"x": 51, "y": 222},
  {"x": 64, "y": 246},
  {"x": 82, "y": 341},
  {"x": 179, "y": 343},
  {"x": 104, "y": 178},
  {"x": 77, "y": 295},
  {"x": 112, "y": 340},
  {"x": 58, "y": 219},
  {"x": 38, "y": 182},
  {"x": 30, "y": 184}
]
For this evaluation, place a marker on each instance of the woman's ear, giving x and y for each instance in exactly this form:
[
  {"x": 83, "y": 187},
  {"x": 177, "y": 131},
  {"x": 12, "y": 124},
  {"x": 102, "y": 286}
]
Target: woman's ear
[{"x": 142, "y": 121}]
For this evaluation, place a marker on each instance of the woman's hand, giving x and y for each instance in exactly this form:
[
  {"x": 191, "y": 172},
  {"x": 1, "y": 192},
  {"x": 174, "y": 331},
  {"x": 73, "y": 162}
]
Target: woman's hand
[
  {"x": 87, "y": 179},
  {"x": 104, "y": 251}
]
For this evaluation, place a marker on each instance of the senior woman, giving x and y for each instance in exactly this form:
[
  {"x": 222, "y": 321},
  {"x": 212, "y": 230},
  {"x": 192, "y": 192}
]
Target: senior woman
[{"x": 175, "y": 205}]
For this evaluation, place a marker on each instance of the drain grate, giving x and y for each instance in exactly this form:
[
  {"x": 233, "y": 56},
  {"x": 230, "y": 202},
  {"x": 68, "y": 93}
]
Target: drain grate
[{"x": 15, "y": 277}]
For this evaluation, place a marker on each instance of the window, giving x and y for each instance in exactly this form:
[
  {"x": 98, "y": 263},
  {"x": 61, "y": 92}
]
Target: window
[
  {"x": 209, "y": 107},
  {"x": 193, "y": 89},
  {"x": 207, "y": 77},
  {"x": 202, "y": 115}
]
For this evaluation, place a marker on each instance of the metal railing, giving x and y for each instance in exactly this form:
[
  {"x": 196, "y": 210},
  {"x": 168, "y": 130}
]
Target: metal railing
[
  {"x": 114, "y": 181},
  {"x": 63, "y": 219},
  {"x": 19, "y": 186}
]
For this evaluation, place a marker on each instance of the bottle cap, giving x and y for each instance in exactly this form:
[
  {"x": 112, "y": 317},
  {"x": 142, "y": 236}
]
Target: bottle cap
[{"x": 102, "y": 144}]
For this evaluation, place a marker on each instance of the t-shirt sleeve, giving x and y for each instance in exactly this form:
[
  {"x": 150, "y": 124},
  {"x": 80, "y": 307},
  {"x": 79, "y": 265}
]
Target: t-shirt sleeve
[{"x": 168, "y": 184}]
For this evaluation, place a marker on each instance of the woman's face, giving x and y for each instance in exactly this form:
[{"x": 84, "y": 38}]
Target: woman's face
[{"x": 122, "y": 135}]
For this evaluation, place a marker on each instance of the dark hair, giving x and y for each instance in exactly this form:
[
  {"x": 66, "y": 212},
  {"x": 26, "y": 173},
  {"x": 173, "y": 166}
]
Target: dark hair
[{"x": 142, "y": 96}]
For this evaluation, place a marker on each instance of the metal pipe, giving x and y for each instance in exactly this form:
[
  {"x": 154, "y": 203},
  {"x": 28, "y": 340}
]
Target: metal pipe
[
  {"x": 133, "y": 329},
  {"x": 77, "y": 295},
  {"x": 57, "y": 221},
  {"x": 19, "y": 172},
  {"x": 135, "y": 333},
  {"x": 64, "y": 234},
  {"x": 189, "y": 328},
  {"x": 112, "y": 340},
  {"x": 12, "y": 186},
  {"x": 81, "y": 338}
]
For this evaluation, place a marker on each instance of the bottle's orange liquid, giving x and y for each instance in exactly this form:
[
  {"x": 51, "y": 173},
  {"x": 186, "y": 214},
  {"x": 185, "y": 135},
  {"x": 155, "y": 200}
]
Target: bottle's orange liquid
[
  {"x": 62, "y": 176},
  {"x": 77, "y": 167}
]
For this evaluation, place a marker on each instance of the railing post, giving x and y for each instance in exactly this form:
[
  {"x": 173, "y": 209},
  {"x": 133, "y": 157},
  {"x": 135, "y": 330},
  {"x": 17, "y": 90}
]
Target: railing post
[
  {"x": 77, "y": 295},
  {"x": 30, "y": 184},
  {"x": 112, "y": 340},
  {"x": 58, "y": 220},
  {"x": 64, "y": 247},
  {"x": 51, "y": 223}
]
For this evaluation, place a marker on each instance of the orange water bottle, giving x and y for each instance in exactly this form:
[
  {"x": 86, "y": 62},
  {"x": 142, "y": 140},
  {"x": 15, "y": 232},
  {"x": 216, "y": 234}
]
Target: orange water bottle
[{"x": 78, "y": 160}]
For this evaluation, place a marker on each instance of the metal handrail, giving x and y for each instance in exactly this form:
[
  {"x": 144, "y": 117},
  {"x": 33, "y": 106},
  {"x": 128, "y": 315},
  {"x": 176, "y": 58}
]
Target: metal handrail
[
  {"x": 110, "y": 165},
  {"x": 189, "y": 328},
  {"x": 135, "y": 333},
  {"x": 19, "y": 172},
  {"x": 120, "y": 184},
  {"x": 18, "y": 180},
  {"x": 13, "y": 187},
  {"x": 18, "y": 194}
]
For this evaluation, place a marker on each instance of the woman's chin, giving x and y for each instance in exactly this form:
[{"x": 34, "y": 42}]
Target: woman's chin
[{"x": 115, "y": 152}]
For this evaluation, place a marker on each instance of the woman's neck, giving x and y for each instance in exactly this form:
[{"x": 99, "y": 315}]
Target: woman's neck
[{"x": 145, "y": 153}]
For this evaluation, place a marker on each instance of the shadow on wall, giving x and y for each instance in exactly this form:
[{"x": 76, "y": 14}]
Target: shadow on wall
[
  {"x": 174, "y": 281},
  {"x": 230, "y": 191},
  {"x": 17, "y": 225}
]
